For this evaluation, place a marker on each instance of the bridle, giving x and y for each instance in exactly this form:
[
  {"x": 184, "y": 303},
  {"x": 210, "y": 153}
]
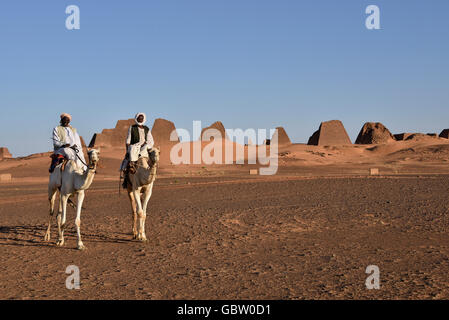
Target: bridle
[{"x": 90, "y": 166}]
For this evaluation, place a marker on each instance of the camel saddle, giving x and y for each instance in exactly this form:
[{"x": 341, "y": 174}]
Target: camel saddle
[
  {"x": 131, "y": 169},
  {"x": 56, "y": 160}
]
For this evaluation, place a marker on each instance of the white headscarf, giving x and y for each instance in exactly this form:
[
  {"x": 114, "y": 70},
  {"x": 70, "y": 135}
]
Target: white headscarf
[
  {"x": 144, "y": 118},
  {"x": 66, "y": 115}
]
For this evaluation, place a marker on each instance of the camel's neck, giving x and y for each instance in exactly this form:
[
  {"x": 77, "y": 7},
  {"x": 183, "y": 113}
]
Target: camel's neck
[
  {"x": 147, "y": 175},
  {"x": 87, "y": 178}
]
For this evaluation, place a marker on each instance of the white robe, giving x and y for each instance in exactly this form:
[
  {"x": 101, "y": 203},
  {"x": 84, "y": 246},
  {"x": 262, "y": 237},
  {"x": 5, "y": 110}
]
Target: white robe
[
  {"x": 72, "y": 139},
  {"x": 140, "y": 148}
]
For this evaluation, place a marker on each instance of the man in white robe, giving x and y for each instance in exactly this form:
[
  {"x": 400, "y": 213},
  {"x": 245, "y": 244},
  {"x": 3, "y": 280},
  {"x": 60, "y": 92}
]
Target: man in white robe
[
  {"x": 67, "y": 142},
  {"x": 138, "y": 141}
]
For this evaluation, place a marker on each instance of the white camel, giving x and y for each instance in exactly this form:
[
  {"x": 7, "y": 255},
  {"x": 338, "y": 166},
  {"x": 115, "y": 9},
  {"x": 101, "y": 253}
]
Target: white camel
[
  {"x": 140, "y": 189},
  {"x": 70, "y": 181}
]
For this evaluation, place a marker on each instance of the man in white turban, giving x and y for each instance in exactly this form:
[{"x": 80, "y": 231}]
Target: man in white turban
[
  {"x": 138, "y": 141},
  {"x": 67, "y": 143}
]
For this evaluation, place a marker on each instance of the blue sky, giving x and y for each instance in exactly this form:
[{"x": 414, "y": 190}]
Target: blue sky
[{"x": 248, "y": 63}]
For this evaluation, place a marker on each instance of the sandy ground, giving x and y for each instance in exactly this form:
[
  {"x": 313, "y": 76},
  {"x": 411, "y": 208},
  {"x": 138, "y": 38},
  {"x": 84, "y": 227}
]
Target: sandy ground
[{"x": 218, "y": 233}]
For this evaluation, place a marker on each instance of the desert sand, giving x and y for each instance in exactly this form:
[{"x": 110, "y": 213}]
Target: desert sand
[{"x": 217, "y": 232}]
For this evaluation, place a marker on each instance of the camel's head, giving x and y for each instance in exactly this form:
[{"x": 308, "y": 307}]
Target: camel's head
[
  {"x": 154, "y": 155},
  {"x": 94, "y": 156}
]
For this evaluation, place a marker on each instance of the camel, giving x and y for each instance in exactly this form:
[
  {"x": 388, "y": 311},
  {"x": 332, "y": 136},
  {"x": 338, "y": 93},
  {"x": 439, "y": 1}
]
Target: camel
[
  {"x": 140, "y": 189},
  {"x": 70, "y": 181}
]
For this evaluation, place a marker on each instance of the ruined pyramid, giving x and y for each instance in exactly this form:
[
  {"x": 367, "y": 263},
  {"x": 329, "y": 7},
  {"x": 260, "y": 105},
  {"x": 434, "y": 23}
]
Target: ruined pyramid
[
  {"x": 444, "y": 134},
  {"x": 218, "y": 126},
  {"x": 112, "y": 137},
  {"x": 4, "y": 154},
  {"x": 374, "y": 133},
  {"x": 161, "y": 131}
]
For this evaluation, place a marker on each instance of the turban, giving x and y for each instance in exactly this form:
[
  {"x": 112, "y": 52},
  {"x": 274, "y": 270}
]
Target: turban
[
  {"x": 66, "y": 115},
  {"x": 144, "y": 118}
]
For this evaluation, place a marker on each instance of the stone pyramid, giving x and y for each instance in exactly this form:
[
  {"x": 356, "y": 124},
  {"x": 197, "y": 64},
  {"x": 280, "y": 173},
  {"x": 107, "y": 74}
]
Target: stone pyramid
[
  {"x": 330, "y": 133},
  {"x": 4, "y": 154},
  {"x": 374, "y": 133},
  {"x": 282, "y": 136},
  {"x": 218, "y": 126}
]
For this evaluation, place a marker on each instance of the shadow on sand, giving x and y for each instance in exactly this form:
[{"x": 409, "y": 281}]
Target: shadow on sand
[{"x": 23, "y": 236}]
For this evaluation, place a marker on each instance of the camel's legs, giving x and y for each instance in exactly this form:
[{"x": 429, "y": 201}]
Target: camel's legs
[
  {"x": 52, "y": 197},
  {"x": 140, "y": 213},
  {"x": 133, "y": 208},
  {"x": 62, "y": 220},
  {"x": 79, "y": 206},
  {"x": 146, "y": 199},
  {"x": 59, "y": 216}
]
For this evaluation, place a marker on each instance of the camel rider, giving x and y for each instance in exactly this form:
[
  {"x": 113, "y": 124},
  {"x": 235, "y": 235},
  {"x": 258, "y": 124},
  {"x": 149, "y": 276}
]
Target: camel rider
[
  {"x": 139, "y": 139},
  {"x": 67, "y": 143}
]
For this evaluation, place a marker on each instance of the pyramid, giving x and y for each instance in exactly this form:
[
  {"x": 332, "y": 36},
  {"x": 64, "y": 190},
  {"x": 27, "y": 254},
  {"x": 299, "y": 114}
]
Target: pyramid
[
  {"x": 161, "y": 131},
  {"x": 330, "y": 133},
  {"x": 218, "y": 126},
  {"x": 374, "y": 133},
  {"x": 444, "y": 134},
  {"x": 4, "y": 154},
  {"x": 83, "y": 143},
  {"x": 282, "y": 136},
  {"x": 112, "y": 137}
]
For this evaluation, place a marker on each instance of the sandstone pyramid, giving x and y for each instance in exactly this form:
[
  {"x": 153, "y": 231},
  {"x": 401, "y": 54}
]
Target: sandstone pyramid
[
  {"x": 83, "y": 143},
  {"x": 282, "y": 136},
  {"x": 117, "y": 137},
  {"x": 112, "y": 137},
  {"x": 161, "y": 131},
  {"x": 218, "y": 126},
  {"x": 374, "y": 133},
  {"x": 330, "y": 133},
  {"x": 444, "y": 134},
  {"x": 4, "y": 154}
]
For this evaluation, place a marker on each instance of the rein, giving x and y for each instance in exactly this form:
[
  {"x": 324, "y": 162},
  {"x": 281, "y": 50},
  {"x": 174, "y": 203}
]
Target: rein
[{"x": 91, "y": 167}]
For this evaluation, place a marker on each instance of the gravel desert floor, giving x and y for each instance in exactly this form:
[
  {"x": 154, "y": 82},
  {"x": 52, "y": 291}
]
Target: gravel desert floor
[{"x": 240, "y": 237}]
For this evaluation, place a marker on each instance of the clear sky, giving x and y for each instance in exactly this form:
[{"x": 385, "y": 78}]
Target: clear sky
[{"x": 248, "y": 63}]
